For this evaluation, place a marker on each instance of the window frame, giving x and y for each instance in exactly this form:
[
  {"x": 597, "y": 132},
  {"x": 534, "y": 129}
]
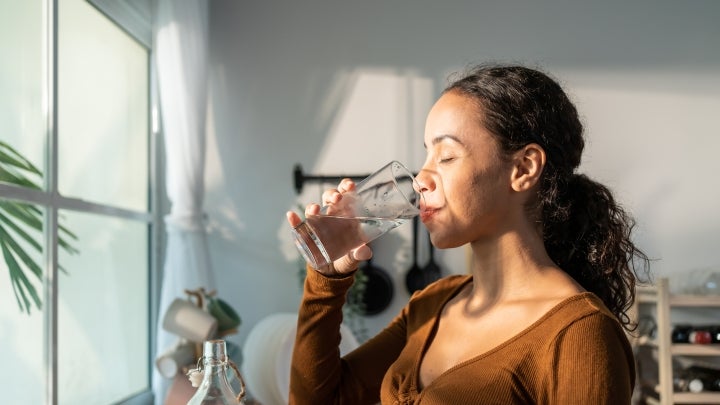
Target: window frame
[{"x": 52, "y": 201}]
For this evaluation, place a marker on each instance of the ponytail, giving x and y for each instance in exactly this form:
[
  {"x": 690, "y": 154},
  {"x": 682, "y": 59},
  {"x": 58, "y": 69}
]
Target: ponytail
[{"x": 588, "y": 234}]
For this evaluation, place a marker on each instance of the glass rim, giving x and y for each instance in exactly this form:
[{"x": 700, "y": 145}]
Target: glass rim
[{"x": 410, "y": 174}]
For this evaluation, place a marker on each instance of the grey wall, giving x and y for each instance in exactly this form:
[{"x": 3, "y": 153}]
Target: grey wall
[{"x": 343, "y": 87}]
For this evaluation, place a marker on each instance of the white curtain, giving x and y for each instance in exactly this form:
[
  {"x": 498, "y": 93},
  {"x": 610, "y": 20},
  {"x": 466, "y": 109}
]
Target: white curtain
[{"x": 181, "y": 60}]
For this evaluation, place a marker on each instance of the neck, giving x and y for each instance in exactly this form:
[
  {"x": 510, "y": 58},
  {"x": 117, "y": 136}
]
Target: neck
[{"x": 507, "y": 268}]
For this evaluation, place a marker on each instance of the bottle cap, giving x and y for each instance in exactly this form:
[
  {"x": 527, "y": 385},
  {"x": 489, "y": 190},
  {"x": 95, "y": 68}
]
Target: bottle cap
[
  {"x": 702, "y": 337},
  {"x": 696, "y": 385}
]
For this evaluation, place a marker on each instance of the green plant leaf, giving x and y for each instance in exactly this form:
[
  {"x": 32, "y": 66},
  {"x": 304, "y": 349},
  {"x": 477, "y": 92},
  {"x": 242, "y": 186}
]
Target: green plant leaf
[
  {"x": 16, "y": 219},
  {"x": 29, "y": 215},
  {"x": 12, "y": 157},
  {"x": 10, "y": 242},
  {"x": 32, "y": 217},
  {"x": 17, "y": 179},
  {"x": 20, "y": 282},
  {"x": 19, "y": 231},
  {"x": 64, "y": 243}
]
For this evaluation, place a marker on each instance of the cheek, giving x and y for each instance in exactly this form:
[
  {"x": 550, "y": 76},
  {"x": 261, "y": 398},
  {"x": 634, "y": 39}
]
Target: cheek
[
  {"x": 465, "y": 203},
  {"x": 475, "y": 203},
  {"x": 483, "y": 198},
  {"x": 477, "y": 194}
]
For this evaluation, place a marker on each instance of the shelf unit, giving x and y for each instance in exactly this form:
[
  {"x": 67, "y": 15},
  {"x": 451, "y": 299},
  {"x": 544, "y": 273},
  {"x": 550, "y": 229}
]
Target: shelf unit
[{"x": 659, "y": 297}]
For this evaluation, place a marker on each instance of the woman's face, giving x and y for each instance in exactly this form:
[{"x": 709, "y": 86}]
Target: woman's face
[{"x": 465, "y": 180}]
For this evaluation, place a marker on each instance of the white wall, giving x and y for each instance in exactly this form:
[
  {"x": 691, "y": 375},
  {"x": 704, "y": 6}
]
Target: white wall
[{"x": 342, "y": 87}]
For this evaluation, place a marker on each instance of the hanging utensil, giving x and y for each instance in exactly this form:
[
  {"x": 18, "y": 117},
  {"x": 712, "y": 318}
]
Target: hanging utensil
[
  {"x": 378, "y": 288},
  {"x": 431, "y": 271},
  {"x": 414, "y": 279}
]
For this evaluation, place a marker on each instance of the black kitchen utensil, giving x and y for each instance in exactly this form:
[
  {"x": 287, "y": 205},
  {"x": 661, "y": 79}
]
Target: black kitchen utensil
[
  {"x": 431, "y": 271},
  {"x": 378, "y": 288},
  {"x": 414, "y": 279}
]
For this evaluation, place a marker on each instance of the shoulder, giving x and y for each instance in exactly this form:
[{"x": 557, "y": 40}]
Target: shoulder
[
  {"x": 579, "y": 306},
  {"x": 583, "y": 319},
  {"x": 588, "y": 345}
]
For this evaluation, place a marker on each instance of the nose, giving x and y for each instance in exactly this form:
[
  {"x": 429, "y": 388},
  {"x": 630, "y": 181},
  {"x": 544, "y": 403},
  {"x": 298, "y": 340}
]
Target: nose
[{"x": 424, "y": 181}]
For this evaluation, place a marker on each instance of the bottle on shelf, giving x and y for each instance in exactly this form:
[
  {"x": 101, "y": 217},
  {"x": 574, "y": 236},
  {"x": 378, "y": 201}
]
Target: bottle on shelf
[
  {"x": 698, "y": 379},
  {"x": 698, "y": 334},
  {"x": 700, "y": 337},
  {"x": 681, "y": 333},
  {"x": 713, "y": 331}
]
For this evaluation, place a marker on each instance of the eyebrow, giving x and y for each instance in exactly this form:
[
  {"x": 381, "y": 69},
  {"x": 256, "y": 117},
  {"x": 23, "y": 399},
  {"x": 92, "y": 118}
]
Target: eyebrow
[{"x": 441, "y": 138}]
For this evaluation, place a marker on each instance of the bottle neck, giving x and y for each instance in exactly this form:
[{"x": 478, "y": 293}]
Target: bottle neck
[
  {"x": 215, "y": 379},
  {"x": 214, "y": 368}
]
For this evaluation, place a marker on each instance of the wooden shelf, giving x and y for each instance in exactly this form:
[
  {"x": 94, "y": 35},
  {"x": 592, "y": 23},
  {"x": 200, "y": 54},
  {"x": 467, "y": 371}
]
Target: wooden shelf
[
  {"x": 649, "y": 295},
  {"x": 699, "y": 398},
  {"x": 658, "y": 302},
  {"x": 694, "y": 301},
  {"x": 695, "y": 350},
  {"x": 646, "y": 295}
]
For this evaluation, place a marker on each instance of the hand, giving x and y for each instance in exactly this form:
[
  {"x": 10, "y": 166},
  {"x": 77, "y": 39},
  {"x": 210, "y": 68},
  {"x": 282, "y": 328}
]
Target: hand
[{"x": 332, "y": 198}]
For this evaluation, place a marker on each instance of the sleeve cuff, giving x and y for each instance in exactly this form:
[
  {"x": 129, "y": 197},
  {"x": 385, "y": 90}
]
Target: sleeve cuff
[{"x": 321, "y": 282}]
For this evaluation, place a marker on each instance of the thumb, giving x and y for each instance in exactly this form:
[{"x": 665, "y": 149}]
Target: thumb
[
  {"x": 362, "y": 253},
  {"x": 349, "y": 262}
]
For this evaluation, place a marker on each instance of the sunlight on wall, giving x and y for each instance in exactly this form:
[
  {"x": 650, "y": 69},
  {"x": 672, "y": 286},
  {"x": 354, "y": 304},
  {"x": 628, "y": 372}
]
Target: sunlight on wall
[
  {"x": 372, "y": 126},
  {"x": 656, "y": 138}
]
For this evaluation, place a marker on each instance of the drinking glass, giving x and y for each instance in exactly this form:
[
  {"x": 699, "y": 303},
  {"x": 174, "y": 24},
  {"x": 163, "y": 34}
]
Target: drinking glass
[{"x": 383, "y": 201}]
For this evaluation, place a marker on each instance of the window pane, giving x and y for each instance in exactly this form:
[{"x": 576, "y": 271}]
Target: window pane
[
  {"x": 103, "y": 311},
  {"x": 21, "y": 333},
  {"x": 102, "y": 110},
  {"x": 23, "y": 123}
]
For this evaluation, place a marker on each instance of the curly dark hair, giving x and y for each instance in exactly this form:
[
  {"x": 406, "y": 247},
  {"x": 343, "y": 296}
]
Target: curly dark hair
[{"x": 585, "y": 231}]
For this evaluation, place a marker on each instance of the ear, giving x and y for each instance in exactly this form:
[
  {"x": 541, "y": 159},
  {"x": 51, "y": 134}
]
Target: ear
[{"x": 528, "y": 164}]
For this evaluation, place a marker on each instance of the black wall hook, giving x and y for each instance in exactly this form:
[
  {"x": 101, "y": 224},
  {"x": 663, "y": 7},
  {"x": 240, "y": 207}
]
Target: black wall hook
[{"x": 299, "y": 178}]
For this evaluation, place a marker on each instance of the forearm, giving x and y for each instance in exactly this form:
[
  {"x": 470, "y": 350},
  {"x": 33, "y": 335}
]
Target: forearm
[{"x": 316, "y": 371}]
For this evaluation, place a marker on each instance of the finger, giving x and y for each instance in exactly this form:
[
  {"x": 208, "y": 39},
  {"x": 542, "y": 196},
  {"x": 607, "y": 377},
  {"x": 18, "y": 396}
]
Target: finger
[
  {"x": 331, "y": 196},
  {"x": 312, "y": 209},
  {"x": 345, "y": 264},
  {"x": 362, "y": 253},
  {"x": 293, "y": 218},
  {"x": 346, "y": 185}
]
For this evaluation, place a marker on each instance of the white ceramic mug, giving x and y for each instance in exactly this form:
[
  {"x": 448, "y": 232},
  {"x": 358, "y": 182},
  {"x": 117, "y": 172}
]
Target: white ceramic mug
[
  {"x": 175, "y": 358},
  {"x": 186, "y": 320}
]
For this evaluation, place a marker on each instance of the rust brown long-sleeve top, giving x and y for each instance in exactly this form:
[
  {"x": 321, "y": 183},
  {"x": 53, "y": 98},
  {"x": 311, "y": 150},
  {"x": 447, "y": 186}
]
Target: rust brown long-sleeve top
[{"x": 577, "y": 353}]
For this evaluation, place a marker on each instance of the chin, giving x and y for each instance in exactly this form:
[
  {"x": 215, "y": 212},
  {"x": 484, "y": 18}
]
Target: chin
[
  {"x": 445, "y": 241},
  {"x": 448, "y": 245}
]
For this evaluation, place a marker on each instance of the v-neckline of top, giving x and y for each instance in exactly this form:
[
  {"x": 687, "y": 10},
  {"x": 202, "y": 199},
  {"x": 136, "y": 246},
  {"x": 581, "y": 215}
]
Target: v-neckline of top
[{"x": 429, "y": 337}]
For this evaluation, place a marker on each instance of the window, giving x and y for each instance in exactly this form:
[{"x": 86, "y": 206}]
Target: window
[{"x": 75, "y": 103}]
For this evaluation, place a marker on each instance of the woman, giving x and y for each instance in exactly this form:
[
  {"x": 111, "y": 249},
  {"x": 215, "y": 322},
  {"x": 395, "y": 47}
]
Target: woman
[{"x": 540, "y": 319}]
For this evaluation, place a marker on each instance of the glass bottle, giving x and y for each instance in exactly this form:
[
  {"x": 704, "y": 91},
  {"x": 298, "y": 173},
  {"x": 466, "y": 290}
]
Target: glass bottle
[{"x": 215, "y": 388}]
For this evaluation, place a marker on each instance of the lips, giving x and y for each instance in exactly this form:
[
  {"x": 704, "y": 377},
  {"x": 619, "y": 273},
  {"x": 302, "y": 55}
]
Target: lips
[{"x": 426, "y": 213}]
